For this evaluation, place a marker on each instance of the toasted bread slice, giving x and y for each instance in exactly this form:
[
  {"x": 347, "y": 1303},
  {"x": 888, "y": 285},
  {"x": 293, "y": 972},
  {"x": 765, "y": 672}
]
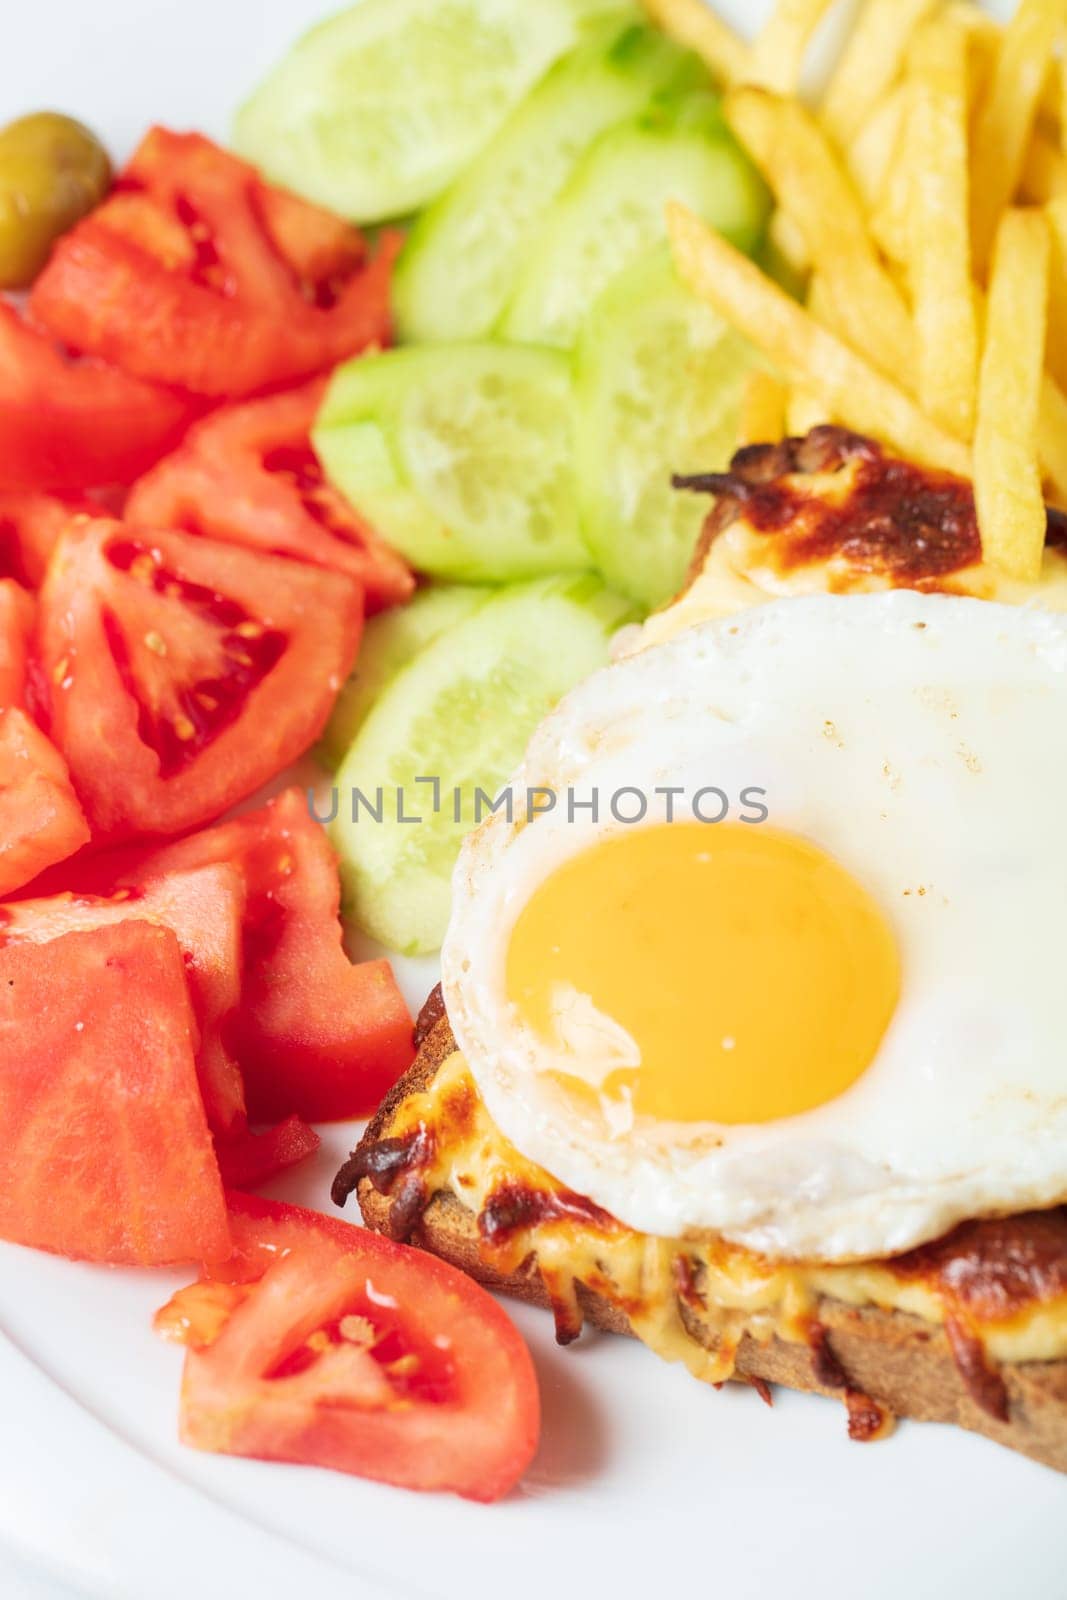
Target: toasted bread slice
[{"x": 885, "y": 1363}]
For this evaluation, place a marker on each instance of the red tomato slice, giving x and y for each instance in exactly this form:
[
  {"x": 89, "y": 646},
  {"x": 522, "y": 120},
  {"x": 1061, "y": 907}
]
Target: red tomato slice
[
  {"x": 248, "y": 475},
  {"x": 106, "y": 1153},
  {"x": 330, "y": 1346},
  {"x": 254, "y": 1158},
  {"x": 204, "y": 910},
  {"x": 194, "y": 272},
  {"x": 183, "y": 674},
  {"x": 322, "y": 249},
  {"x": 16, "y": 625},
  {"x": 317, "y": 1034},
  {"x": 76, "y": 424},
  {"x": 41, "y": 821},
  {"x": 30, "y": 526}
]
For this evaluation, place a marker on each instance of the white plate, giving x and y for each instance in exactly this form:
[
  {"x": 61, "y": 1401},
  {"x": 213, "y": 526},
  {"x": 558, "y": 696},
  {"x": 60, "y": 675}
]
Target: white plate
[{"x": 647, "y": 1484}]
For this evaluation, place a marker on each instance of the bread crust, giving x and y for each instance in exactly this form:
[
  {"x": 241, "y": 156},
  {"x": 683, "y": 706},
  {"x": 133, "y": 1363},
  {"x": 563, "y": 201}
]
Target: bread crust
[{"x": 899, "y": 1361}]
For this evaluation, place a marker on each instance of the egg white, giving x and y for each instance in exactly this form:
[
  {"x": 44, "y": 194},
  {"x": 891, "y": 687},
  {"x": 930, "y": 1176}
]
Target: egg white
[{"x": 920, "y": 740}]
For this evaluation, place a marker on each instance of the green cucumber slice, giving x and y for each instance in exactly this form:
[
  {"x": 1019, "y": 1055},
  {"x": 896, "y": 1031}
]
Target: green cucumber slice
[
  {"x": 461, "y": 456},
  {"x": 390, "y": 640},
  {"x": 611, "y": 212},
  {"x": 658, "y": 378},
  {"x": 463, "y": 256},
  {"x": 373, "y": 112},
  {"x": 462, "y": 713}
]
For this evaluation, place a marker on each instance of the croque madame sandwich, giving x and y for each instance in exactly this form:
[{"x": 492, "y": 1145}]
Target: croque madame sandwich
[{"x": 753, "y": 1045}]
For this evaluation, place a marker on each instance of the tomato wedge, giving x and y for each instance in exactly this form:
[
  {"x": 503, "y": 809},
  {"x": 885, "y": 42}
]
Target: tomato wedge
[
  {"x": 41, "y": 821},
  {"x": 68, "y": 424},
  {"x": 254, "y": 1158},
  {"x": 317, "y": 1034},
  {"x": 106, "y": 1153},
  {"x": 196, "y": 273},
  {"x": 204, "y": 910},
  {"x": 248, "y": 475},
  {"x": 30, "y": 526},
  {"x": 182, "y": 674},
  {"x": 16, "y": 624},
  {"x": 322, "y": 1344}
]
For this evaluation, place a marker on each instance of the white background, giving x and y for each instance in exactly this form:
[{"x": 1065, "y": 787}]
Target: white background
[{"x": 647, "y": 1484}]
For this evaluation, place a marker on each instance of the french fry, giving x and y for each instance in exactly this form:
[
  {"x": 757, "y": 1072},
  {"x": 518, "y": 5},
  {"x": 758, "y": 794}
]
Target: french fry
[
  {"x": 805, "y": 411},
  {"x": 869, "y": 64},
  {"x": 1044, "y": 174},
  {"x": 976, "y": 22},
  {"x": 888, "y": 221},
  {"x": 1006, "y": 116},
  {"x": 1056, "y": 355},
  {"x": 763, "y": 403},
  {"x": 1050, "y": 100},
  {"x": 1007, "y": 477},
  {"x": 778, "y": 51},
  {"x": 983, "y": 36},
  {"x": 789, "y": 243},
  {"x": 1052, "y": 440},
  {"x": 1052, "y": 416},
  {"x": 822, "y": 305},
  {"x": 814, "y": 190},
  {"x": 807, "y": 356},
  {"x": 870, "y": 152},
  {"x": 696, "y": 26},
  {"x": 946, "y": 330},
  {"x": 983, "y": 33}
]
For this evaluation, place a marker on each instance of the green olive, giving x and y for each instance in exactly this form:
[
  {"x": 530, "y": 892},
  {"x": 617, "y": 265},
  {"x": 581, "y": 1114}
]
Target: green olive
[{"x": 52, "y": 171}]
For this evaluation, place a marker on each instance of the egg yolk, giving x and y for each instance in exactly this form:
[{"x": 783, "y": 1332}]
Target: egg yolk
[{"x": 729, "y": 973}]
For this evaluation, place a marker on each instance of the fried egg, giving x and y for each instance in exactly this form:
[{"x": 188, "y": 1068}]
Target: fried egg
[{"x": 777, "y": 949}]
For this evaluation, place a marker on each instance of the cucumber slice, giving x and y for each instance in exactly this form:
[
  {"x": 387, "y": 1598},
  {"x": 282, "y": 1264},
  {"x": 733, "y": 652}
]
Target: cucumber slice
[
  {"x": 461, "y": 456},
  {"x": 390, "y": 640},
  {"x": 374, "y": 111},
  {"x": 658, "y": 378},
  {"x": 463, "y": 256},
  {"x": 462, "y": 713},
  {"x": 611, "y": 212}
]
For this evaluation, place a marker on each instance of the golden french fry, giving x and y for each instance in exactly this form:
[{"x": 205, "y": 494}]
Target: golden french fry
[
  {"x": 1050, "y": 100},
  {"x": 871, "y": 150},
  {"x": 806, "y": 355},
  {"x": 822, "y": 305},
  {"x": 778, "y": 51},
  {"x": 814, "y": 190},
  {"x": 1007, "y": 477},
  {"x": 976, "y": 22},
  {"x": 1052, "y": 416},
  {"x": 1006, "y": 116},
  {"x": 888, "y": 221},
  {"x": 869, "y": 64},
  {"x": 763, "y": 403},
  {"x": 946, "y": 330},
  {"x": 804, "y": 412},
  {"x": 984, "y": 34},
  {"x": 1056, "y": 355},
  {"x": 1052, "y": 439},
  {"x": 789, "y": 243},
  {"x": 1044, "y": 174},
  {"x": 696, "y": 26}
]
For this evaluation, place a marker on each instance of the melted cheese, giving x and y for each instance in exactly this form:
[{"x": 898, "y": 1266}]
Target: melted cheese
[
  {"x": 741, "y": 569},
  {"x": 731, "y": 1290}
]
